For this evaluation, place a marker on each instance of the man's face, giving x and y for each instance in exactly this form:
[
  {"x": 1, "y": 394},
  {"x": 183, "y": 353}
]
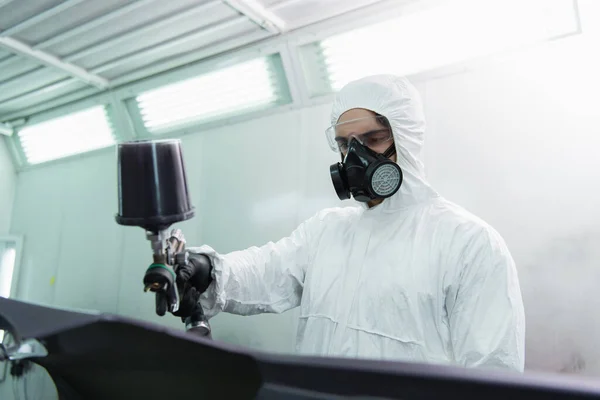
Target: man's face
[{"x": 366, "y": 129}]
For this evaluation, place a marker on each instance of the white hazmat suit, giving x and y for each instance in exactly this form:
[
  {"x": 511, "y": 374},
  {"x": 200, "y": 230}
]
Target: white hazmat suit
[{"x": 415, "y": 278}]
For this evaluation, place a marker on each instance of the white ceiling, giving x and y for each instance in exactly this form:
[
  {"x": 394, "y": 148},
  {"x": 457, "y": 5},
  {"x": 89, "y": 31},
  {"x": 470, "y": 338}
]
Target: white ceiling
[{"x": 51, "y": 48}]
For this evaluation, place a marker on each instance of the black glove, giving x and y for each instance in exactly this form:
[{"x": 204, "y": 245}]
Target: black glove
[
  {"x": 197, "y": 272},
  {"x": 192, "y": 280}
]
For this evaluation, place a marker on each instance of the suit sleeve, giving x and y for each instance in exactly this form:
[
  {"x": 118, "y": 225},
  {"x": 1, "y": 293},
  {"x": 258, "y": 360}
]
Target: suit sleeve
[
  {"x": 266, "y": 279},
  {"x": 486, "y": 314}
]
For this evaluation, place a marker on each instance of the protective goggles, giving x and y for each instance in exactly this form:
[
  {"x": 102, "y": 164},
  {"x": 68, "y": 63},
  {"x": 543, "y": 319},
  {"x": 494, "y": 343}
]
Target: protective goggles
[{"x": 339, "y": 135}]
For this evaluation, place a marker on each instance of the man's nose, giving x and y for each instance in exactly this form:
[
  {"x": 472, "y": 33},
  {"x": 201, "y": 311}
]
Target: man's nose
[{"x": 358, "y": 139}]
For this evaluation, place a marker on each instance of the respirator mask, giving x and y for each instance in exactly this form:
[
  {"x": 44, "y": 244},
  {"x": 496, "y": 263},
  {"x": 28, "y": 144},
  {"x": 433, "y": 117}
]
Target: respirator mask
[{"x": 364, "y": 173}]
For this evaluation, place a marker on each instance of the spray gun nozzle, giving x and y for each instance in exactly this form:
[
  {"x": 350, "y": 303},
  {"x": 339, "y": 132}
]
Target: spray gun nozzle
[{"x": 154, "y": 287}]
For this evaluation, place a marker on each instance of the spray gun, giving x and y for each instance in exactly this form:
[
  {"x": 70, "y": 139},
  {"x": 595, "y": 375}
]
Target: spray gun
[{"x": 153, "y": 195}]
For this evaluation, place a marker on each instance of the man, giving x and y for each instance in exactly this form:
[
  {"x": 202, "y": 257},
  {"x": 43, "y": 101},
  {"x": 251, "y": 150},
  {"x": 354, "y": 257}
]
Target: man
[{"x": 405, "y": 276}]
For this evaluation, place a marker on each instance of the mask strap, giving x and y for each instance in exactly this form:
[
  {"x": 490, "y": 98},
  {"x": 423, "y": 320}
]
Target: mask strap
[{"x": 390, "y": 151}]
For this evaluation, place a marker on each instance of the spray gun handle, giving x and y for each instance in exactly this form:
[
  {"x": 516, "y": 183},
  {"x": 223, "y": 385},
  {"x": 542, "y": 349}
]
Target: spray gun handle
[
  {"x": 200, "y": 277},
  {"x": 160, "y": 279},
  {"x": 194, "y": 275},
  {"x": 178, "y": 277}
]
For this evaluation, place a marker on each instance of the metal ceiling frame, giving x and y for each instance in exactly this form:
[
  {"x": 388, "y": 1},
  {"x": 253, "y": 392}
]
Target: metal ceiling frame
[
  {"x": 290, "y": 58},
  {"x": 123, "y": 124},
  {"x": 230, "y": 48},
  {"x": 44, "y": 58},
  {"x": 383, "y": 9},
  {"x": 131, "y": 90},
  {"x": 16, "y": 152},
  {"x": 124, "y": 112},
  {"x": 76, "y": 72},
  {"x": 129, "y": 125},
  {"x": 258, "y": 14},
  {"x": 48, "y": 59},
  {"x": 86, "y": 26},
  {"x": 91, "y": 77},
  {"x": 6, "y": 129}
]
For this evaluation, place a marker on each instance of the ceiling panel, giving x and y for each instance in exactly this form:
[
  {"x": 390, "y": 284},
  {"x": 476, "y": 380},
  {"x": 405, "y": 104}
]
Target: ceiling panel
[
  {"x": 190, "y": 24},
  {"x": 25, "y": 83},
  {"x": 151, "y": 12},
  {"x": 18, "y": 11},
  {"x": 245, "y": 29},
  {"x": 41, "y": 97},
  {"x": 113, "y": 42},
  {"x": 4, "y": 55},
  {"x": 16, "y": 67},
  {"x": 68, "y": 19}
]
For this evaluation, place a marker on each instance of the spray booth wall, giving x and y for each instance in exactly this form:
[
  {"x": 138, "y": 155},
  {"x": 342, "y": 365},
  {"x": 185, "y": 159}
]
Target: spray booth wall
[
  {"x": 8, "y": 180},
  {"x": 515, "y": 141}
]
